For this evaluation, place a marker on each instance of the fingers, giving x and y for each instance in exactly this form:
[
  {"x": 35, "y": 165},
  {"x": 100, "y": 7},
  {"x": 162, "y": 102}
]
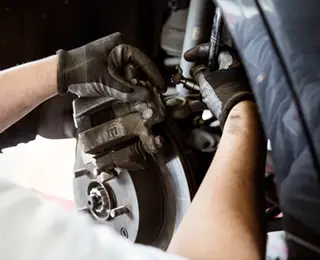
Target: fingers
[
  {"x": 198, "y": 54},
  {"x": 123, "y": 55}
]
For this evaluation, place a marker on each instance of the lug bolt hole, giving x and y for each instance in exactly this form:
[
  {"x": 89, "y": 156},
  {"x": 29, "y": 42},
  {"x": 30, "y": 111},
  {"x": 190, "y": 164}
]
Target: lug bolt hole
[{"x": 124, "y": 232}]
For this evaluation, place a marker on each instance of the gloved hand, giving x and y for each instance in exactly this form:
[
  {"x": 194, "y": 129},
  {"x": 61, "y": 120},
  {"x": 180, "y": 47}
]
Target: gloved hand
[
  {"x": 221, "y": 90},
  {"x": 98, "y": 69}
]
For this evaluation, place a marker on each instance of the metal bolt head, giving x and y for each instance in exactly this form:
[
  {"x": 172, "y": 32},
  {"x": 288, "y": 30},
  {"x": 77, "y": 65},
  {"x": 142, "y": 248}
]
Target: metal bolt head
[
  {"x": 158, "y": 141},
  {"x": 154, "y": 144},
  {"x": 134, "y": 81},
  {"x": 147, "y": 113}
]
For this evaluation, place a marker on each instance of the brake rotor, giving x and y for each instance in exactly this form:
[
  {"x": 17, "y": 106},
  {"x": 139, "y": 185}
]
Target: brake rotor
[{"x": 145, "y": 206}]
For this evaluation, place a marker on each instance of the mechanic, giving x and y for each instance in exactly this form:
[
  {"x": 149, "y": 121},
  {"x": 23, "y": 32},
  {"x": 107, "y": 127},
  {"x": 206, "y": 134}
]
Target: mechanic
[{"x": 225, "y": 218}]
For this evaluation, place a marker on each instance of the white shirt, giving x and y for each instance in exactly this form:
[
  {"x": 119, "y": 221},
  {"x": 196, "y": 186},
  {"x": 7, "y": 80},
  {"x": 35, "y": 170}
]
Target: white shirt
[{"x": 32, "y": 228}]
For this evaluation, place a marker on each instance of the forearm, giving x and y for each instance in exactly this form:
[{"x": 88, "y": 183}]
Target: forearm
[
  {"x": 25, "y": 87},
  {"x": 224, "y": 220}
]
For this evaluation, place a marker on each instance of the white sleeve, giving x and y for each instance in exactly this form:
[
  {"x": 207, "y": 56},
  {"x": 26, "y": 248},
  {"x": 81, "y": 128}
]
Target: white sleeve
[{"x": 32, "y": 228}]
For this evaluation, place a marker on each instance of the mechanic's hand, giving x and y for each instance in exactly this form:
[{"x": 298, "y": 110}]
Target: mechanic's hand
[
  {"x": 98, "y": 69},
  {"x": 221, "y": 90}
]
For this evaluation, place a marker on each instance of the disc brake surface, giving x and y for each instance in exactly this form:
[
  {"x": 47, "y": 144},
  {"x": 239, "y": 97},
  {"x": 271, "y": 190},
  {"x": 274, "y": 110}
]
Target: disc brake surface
[{"x": 125, "y": 176}]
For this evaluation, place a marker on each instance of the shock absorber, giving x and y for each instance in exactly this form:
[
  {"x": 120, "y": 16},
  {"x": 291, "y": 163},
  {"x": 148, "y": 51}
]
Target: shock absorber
[{"x": 197, "y": 31}]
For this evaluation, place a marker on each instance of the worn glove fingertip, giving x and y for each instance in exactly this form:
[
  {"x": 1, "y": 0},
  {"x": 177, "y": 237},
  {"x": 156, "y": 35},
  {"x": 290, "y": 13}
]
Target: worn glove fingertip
[
  {"x": 189, "y": 55},
  {"x": 197, "y": 53}
]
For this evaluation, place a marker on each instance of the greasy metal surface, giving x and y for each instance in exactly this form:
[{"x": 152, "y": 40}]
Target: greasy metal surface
[
  {"x": 117, "y": 131},
  {"x": 177, "y": 107},
  {"x": 109, "y": 130},
  {"x": 181, "y": 107}
]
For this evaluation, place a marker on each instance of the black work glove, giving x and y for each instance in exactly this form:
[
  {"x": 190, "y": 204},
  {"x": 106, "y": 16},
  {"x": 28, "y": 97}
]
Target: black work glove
[
  {"x": 222, "y": 89},
  {"x": 98, "y": 69}
]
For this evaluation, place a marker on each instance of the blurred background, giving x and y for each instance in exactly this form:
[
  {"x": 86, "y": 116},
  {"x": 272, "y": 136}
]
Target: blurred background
[{"x": 43, "y": 165}]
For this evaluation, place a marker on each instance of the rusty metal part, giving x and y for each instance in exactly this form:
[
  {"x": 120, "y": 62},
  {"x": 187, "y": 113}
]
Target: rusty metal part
[
  {"x": 117, "y": 131},
  {"x": 87, "y": 110},
  {"x": 178, "y": 78},
  {"x": 146, "y": 185},
  {"x": 132, "y": 158},
  {"x": 178, "y": 107},
  {"x": 182, "y": 107},
  {"x": 118, "y": 134}
]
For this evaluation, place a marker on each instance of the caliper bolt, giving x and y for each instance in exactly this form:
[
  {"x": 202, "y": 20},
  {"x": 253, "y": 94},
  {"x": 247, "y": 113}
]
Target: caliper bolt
[
  {"x": 155, "y": 143},
  {"x": 147, "y": 113},
  {"x": 118, "y": 211}
]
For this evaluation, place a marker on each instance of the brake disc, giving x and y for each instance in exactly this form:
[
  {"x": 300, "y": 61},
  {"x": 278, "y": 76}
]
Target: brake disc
[{"x": 146, "y": 205}]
